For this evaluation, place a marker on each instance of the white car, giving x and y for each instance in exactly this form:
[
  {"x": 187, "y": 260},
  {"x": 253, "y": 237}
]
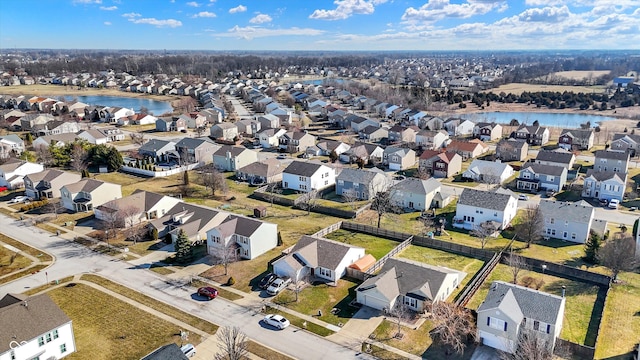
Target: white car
[
  {"x": 613, "y": 204},
  {"x": 523, "y": 197},
  {"x": 277, "y": 285},
  {"x": 277, "y": 321},
  {"x": 188, "y": 350},
  {"x": 19, "y": 200}
]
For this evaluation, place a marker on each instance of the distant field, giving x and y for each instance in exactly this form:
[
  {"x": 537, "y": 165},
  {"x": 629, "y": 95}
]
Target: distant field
[
  {"x": 519, "y": 88},
  {"x": 69, "y": 92},
  {"x": 579, "y": 75}
]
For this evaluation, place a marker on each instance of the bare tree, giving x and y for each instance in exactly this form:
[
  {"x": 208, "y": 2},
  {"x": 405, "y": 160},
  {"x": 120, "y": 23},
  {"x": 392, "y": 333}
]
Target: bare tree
[
  {"x": 401, "y": 313},
  {"x": 200, "y": 130},
  {"x": 299, "y": 279},
  {"x": 349, "y": 196},
  {"x": 111, "y": 221},
  {"x": 44, "y": 156},
  {"x": 453, "y": 325},
  {"x": 232, "y": 343},
  {"x": 484, "y": 231},
  {"x": 273, "y": 190},
  {"x": 55, "y": 206},
  {"x": 530, "y": 346},
  {"x": 79, "y": 157},
  {"x": 308, "y": 200},
  {"x": 427, "y": 221},
  {"x": 130, "y": 217},
  {"x": 531, "y": 225},
  {"x": 381, "y": 203},
  {"x": 213, "y": 180},
  {"x": 225, "y": 254},
  {"x": 618, "y": 254},
  {"x": 137, "y": 138},
  {"x": 516, "y": 264}
]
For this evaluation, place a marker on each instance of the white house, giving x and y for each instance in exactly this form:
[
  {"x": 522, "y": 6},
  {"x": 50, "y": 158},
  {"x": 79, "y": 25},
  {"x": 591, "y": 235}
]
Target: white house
[
  {"x": 150, "y": 206},
  {"x": 34, "y": 328},
  {"x": 249, "y": 237},
  {"x": 307, "y": 176},
  {"x": 317, "y": 257},
  {"x": 491, "y": 172},
  {"x": 566, "y": 220},
  {"x": 476, "y": 207},
  {"x": 414, "y": 194},
  {"x": 13, "y": 171},
  {"x": 270, "y": 138},
  {"x": 87, "y": 194}
]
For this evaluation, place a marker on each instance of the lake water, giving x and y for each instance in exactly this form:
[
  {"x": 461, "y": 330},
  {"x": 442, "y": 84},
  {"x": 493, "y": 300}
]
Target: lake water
[
  {"x": 154, "y": 107},
  {"x": 545, "y": 119}
]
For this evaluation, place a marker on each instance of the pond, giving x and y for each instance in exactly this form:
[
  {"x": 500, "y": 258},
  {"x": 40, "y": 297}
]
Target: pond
[
  {"x": 154, "y": 107},
  {"x": 564, "y": 120}
]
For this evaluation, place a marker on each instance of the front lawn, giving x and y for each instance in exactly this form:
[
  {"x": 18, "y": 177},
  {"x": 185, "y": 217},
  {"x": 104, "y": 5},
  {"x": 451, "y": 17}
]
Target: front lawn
[
  {"x": 376, "y": 246},
  {"x": 11, "y": 261}
]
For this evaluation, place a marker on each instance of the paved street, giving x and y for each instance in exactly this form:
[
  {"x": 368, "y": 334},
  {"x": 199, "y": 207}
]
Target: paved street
[{"x": 74, "y": 259}]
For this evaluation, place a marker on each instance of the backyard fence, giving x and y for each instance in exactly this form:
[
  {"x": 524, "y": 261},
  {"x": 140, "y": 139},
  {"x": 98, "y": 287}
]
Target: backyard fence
[
  {"x": 477, "y": 281},
  {"x": 380, "y": 263},
  {"x": 164, "y": 173}
]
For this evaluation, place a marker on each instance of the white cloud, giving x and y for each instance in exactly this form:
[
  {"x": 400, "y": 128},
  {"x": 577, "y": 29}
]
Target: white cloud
[
  {"x": 260, "y": 19},
  {"x": 435, "y": 10},
  {"x": 252, "y": 32},
  {"x": 159, "y": 23},
  {"x": 193, "y": 4},
  {"x": 238, "y": 9},
  {"x": 108, "y": 23},
  {"x": 205, "y": 14},
  {"x": 108, "y": 8},
  {"x": 131, "y": 15},
  {"x": 544, "y": 14},
  {"x": 346, "y": 8},
  {"x": 87, "y": 1}
]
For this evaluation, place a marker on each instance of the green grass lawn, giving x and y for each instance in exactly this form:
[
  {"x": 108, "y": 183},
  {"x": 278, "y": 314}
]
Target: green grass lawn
[
  {"x": 578, "y": 326},
  {"x": 442, "y": 258},
  {"x": 376, "y": 246},
  {"x": 108, "y": 328},
  {"x": 324, "y": 298},
  {"x": 620, "y": 328}
]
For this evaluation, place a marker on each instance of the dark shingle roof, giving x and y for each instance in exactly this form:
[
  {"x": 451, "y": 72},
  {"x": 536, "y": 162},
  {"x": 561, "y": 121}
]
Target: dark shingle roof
[
  {"x": 580, "y": 212},
  {"x": 302, "y": 168},
  {"x": 417, "y": 186},
  {"x": 604, "y": 175},
  {"x": 356, "y": 176},
  {"x": 484, "y": 199},
  {"x": 327, "y": 253},
  {"x": 167, "y": 352},
  {"x": 613, "y": 155},
  {"x": 563, "y": 157},
  {"x": 544, "y": 169},
  {"x": 154, "y": 145}
]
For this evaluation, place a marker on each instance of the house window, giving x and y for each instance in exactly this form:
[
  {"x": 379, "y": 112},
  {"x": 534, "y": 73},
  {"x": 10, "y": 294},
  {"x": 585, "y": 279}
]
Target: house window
[
  {"x": 340, "y": 182},
  {"x": 410, "y": 302},
  {"x": 548, "y": 328},
  {"x": 55, "y": 334},
  {"x": 551, "y": 178},
  {"x": 303, "y": 187},
  {"x": 63, "y": 348},
  {"x": 325, "y": 272},
  {"x": 573, "y": 236},
  {"x": 41, "y": 341},
  {"x": 553, "y": 232},
  {"x": 496, "y": 323},
  {"x": 565, "y": 234},
  {"x": 48, "y": 336},
  {"x": 552, "y": 221},
  {"x": 536, "y": 325}
]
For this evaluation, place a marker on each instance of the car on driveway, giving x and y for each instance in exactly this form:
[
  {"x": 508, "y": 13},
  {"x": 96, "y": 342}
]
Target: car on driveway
[
  {"x": 277, "y": 321},
  {"x": 523, "y": 197},
  {"x": 277, "y": 285},
  {"x": 19, "y": 200},
  {"x": 208, "y": 292},
  {"x": 267, "y": 280},
  {"x": 613, "y": 203},
  {"x": 281, "y": 157}
]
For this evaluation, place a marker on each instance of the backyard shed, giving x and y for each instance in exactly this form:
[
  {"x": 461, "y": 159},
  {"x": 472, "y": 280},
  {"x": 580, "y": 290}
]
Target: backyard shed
[{"x": 364, "y": 263}]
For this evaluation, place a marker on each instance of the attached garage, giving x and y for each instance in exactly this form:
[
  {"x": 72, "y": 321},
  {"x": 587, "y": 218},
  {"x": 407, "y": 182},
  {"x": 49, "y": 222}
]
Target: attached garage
[
  {"x": 494, "y": 341},
  {"x": 372, "y": 299}
]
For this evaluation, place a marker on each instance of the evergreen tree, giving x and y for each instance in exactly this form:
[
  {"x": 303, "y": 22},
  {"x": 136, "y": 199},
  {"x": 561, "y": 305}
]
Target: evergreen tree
[
  {"x": 591, "y": 247},
  {"x": 28, "y": 138},
  {"x": 183, "y": 248},
  {"x": 333, "y": 156}
]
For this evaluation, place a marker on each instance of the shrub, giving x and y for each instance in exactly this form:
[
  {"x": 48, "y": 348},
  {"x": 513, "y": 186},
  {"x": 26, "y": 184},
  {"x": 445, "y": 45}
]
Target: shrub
[
  {"x": 538, "y": 284},
  {"x": 527, "y": 281},
  {"x": 231, "y": 281},
  {"x": 154, "y": 234}
]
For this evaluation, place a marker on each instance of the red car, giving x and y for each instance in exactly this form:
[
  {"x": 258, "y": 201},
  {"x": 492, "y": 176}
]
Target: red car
[
  {"x": 208, "y": 292},
  {"x": 3, "y": 188}
]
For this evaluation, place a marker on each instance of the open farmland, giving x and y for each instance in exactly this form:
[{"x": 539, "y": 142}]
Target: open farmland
[
  {"x": 519, "y": 88},
  {"x": 579, "y": 74}
]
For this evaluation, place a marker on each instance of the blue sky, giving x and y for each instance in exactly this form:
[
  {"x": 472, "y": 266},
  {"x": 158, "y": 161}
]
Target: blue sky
[{"x": 320, "y": 24}]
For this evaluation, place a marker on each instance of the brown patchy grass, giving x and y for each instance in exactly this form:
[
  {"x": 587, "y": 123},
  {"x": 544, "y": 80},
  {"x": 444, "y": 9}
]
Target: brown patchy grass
[
  {"x": 164, "y": 308},
  {"x": 519, "y": 88},
  {"x": 579, "y": 75},
  {"x": 108, "y": 328},
  {"x": 265, "y": 353},
  {"x": 19, "y": 274},
  {"x": 51, "y": 284},
  {"x": 42, "y": 256},
  {"x": 69, "y": 92},
  {"x": 11, "y": 261}
]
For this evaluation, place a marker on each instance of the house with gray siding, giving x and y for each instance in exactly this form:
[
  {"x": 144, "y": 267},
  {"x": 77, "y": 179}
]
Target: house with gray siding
[
  {"x": 570, "y": 221},
  {"x": 232, "y": 158},
  {"x": 557, "y": 157},
  {"x": 361, "y": 184},
  {"x": 536, "y": 177},
  {"x": 615, "y": 161},
  {"x": 624, "y": 142},
  {"x": 604, "y": 185},
  {"x": 512, "y": 150},
  {"x": 414, "y": 194}
]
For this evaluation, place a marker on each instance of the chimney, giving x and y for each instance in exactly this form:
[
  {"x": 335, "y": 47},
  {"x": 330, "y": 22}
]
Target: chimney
[{"x": 564, "y": 288}]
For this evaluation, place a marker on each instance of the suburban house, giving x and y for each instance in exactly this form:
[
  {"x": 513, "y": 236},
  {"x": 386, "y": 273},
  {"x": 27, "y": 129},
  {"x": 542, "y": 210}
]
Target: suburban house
[
  {"x": 533, "y": 134},
  {"x": 536, "y": 177},
  {"x": 414, "y": 194},
  {"x": 87, "y": 194},
  {"x": 363, "y": 151},
  {"x": 440, "y": 164},
  {"x": 615, "y": 161},
  {"x": 194, "y": 220},
  {"x": 468, "y": 149},
  {"x": 149, "y": 206},
  {"x": 248, "y": 127},
  {"x": 225, "y": 131},
  {"x": 319, "y": 258},
  {"x": 296, "y": 141},
  {"x": 270, "y": 138},
  {"x": 47, "y": 183},
  {"x": 232, "y": 158},
  {"x": 509, "y": 310},
  {"x": 476, "y": 207},
  {"x": 156, "y": 148},
  {"x": 261, "y": 172},
  {"x": 397, "y": 158},
  {"x": 512, "y": 150},
  {"x": 373, "y": 133},
  {"x": 487, "y": 131},
  {"x": 626, "y": 143},
  {"x": 459, "y": 127},
  {"x": 170, "y": 124},
  {"x": 34, "y": 327},
  {"x": 328, "y": 146},
  {"x": 13, "y": 171},
  {"x": 93, "y": 136},
  {"x": 249, "y": 238},
  {"x": 170, "y": 351},
  {"x": 55, "y": 140},
  {"x": 409, "y": 283},
  {"x": 576, "y": 139},
  {"x": 432, "y": 139},
  {"x": 357, "y": 123},
  {"x": 55, "y": 127},
  {"x": 569, "y": 221},
  {"x": 11, "y": 145},
  {"x": 308, "y": 176},
  {"x": 268, "y": 121},
  {"x": 360, "y": 184},
  {"x": 192, "y": 150},
  {"x": 399, "y": 133},
  {"x": 488, "y": 172},
  {"x": 604, "y": 185},
  {"x": 557, "y": 157}
]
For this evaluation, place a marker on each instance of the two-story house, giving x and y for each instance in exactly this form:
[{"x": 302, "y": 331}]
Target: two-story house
[
  {"x": 615, "y": 161},
  {"x": 149, "y": 206},
  {"x": 432, "y": 140},
  {"x": 156, "y": 148},
  {"x": 414, "y": 194},
  {"x": 360, "y": 184},
  {"x": 533, "y": 134},
  {"x": 459, "y": 127},
  {"x": 397, "y": 158},
  {"x": 536, "y": 177},
  {"x": 476, "y": 207},
  {"x": 468, "y": 149},
  {"x": 296, "y": 141},
  {"x": 510, "y": 310},
  {"x": 170, "y": 124},
  {"x": 402, "y": 134},
  {"x": 232, "y": 158},
  {"x": 249, "y": 237},
  {"x": 489, "y": 172},
  {"x": 576, "y": 139},
  {"x": 487, "y": 131},
  {"x": 512, "y": 150},
  {"x": 270, "y": 138},
  {"x": 225, "y": 131},
  {"x": 566, "y": 220},
  {"x": 87, "y": 194},
  {"x": 261, "y": 172},
  {"x": 557, "y": 157},
  {"x": 625, "y": 142},
  {"x": 604, "y": 185},
  {"x": 11, "y": 145},
  {"x": 13, "y": 171},
  {"x": 308, "y": 176},
  {"x": 373, "y": 133},
  {"x": 367, "y": 153},
  {"x": 47, "y": 183},
  {"x": 440, "y": 164},
  {"x": 193, "y": 150}
]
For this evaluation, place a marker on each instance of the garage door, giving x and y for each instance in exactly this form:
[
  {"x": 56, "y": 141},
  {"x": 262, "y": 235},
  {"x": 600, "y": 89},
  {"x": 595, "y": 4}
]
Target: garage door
[
  {"x": 494, "y": 341},
  {"x": 371, "y": 301}
]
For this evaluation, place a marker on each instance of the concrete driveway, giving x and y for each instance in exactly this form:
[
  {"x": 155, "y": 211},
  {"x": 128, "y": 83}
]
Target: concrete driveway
[{"x": 485, "y": 353}]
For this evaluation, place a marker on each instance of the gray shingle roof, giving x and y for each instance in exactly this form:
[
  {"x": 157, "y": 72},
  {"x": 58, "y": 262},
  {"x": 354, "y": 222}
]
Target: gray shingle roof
[
  {"x": 484, "y": 199},
  {"x": 580, "y": 212},
  {"x": 604, "y": 175},
  {"x": 563, "y": 157},
  {"x": 321, "y": 252},
  {"x": 357, "y": 176},
  {"x": 577, "y": 133},
  {"x": 154, "y": 145},
  {"x": 167, "y": 352},
  {"x": 613, "y": 155},
  {"x": 533, "y": 304},
  {"x": 544, "y": 169},
  {"x": 417, "y": 186},
  {"x": 302, "y": 168}
]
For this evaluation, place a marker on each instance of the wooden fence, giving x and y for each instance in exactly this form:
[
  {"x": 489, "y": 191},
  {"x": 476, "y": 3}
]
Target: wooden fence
[
  {"x": 380, "y": 263},
  {"x": 477, "y": 281}
]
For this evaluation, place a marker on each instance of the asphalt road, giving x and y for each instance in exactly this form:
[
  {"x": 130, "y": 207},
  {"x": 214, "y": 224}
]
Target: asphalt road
[{"x": 74, "y": 259}]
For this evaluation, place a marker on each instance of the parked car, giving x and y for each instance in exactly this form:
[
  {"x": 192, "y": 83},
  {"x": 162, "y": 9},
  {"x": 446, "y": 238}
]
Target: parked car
[
  {"x": 277, "y": 321},
  {"x": 523, "y": 197},
  {"x": 613, "y": 203},
  {"x": 19, "y": 200},
  {"x": 3, "y": 188},
  {"x": 603, "y": 202},
  {"x": 267, "y": 280},
  {"x": 188, "y": 350},
  {"x": 277, "y": 285},
  {"x": 208, "y": 292},
  {"x": 281, "y": 157}
]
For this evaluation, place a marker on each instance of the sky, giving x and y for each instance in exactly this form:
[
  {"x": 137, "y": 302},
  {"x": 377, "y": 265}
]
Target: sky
[{"x": 309, "y": 25}]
